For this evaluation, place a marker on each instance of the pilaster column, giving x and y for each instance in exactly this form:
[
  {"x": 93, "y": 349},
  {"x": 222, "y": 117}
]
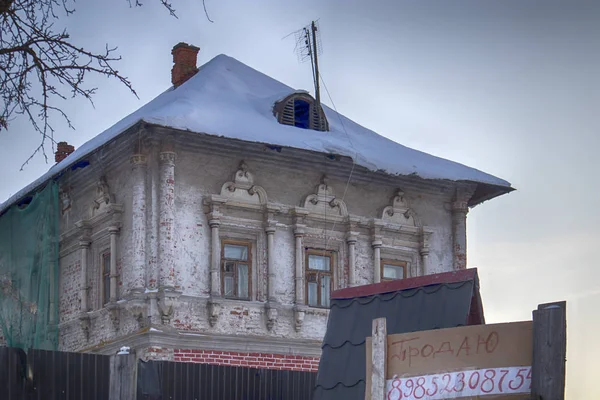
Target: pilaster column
[
  {"x": 459, "y": 210},
  {"x": 424, "y": 251},
  {"x": 270, "y": 230},
  {"x": 215, "y": 258},
  {"x": 113, "y": 230},
  {"x": 298, "y": 235},
  {"x": 84, "y": 246},
  {"x": 138, "y": 270},
  {"x": 376, "y": 243},
  {"x": 166, "y": 250},
  {"x": 351, "y": 241}
]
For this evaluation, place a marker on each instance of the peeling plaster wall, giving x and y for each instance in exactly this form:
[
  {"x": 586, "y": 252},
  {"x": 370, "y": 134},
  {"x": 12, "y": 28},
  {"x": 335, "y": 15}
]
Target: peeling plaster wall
[
  {"x": 81, "y": 186},
  {"x": 198, "y": 174}
]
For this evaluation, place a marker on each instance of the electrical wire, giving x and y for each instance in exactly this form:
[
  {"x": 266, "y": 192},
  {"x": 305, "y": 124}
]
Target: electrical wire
[{"x": 353, "y": 158}]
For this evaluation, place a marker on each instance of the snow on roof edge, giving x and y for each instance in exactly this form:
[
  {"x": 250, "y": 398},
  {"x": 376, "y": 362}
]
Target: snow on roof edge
[{"x": 151, "y": 113}]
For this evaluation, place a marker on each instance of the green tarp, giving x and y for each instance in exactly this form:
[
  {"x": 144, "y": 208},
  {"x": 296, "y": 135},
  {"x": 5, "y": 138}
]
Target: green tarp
[{"x": 29, "y": 272}]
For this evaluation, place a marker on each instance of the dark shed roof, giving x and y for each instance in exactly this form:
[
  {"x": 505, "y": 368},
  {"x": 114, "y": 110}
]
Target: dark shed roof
[{"x": 427, "y": 302}]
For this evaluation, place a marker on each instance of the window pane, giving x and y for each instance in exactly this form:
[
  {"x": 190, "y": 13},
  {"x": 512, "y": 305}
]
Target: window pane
[
  {"x": 393, "y": 272},
  {"x": 242, "y": 280},
  {"x": 106, "y": 263},
  {"x": 106, "y": 284},
  {"x": 235, "y": 252},
  {"x": 325, "y": 290},
  {"x": 229, "y": 266},
  {"x": 321, "y": 263},
  {"x": 312, "y": 294},
  {"x": 228, "y": 283}
]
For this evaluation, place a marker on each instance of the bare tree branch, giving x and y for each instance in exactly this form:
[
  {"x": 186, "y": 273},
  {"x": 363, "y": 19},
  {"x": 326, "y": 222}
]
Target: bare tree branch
[
  {"x": 206, "y": 12},
  {"x": 40, "y": 66}
]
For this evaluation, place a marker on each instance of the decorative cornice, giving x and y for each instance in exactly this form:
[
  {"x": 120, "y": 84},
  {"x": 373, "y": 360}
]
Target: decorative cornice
[{"x": 193, "y": 340}]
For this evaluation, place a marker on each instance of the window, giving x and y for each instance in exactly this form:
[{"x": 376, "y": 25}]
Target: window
[
  {"x": 319, "y": 266},
  {"x": 236, "y": 269},
  {"x": 392, "y": 270},
  {"x": 301, "y": 111},
  {"x": 105, "y": 269}
]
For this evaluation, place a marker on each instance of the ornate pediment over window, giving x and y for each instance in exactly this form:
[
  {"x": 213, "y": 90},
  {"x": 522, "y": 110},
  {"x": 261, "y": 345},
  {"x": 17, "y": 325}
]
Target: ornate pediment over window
[
  {"x": 103, "y": 206},
  {"x": 243, "y": 189},
  {"x": 323, "y": 201},
  {"x": 103, "y": 197},
  {"x": 399, "y": 212}
]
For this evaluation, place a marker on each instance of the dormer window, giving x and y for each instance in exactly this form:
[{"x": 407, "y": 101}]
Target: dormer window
[{"x": 301, "y": 110}]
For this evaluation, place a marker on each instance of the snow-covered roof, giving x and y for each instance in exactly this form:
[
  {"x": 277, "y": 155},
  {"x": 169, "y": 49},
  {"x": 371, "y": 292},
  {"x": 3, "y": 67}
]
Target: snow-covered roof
[{"x": 228, "y": 98}]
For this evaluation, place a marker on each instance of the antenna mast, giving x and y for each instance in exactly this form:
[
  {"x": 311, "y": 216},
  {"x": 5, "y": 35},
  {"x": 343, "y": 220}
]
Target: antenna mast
[
  {"x": 314, "y": 40},
  {"x": 308, "y": 47}
]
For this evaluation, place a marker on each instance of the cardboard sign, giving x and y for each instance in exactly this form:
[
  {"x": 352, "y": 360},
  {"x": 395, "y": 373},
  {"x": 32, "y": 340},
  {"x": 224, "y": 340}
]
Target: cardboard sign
[{"x": 473, "y": 361}]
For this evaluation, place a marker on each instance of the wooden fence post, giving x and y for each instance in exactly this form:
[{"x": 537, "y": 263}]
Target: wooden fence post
[
  {"x": 123, "y": 377},
  {"x": 549, "y": 351},
  {"x": 378, "y": 359}
]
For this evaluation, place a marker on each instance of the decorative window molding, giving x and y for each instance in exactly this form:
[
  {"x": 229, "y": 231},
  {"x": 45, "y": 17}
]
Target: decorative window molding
[
  {"x": 99, "y": 231},
  {"x": 302, "y": 111},
  {"x": 236, "y": 270},
  {"x": 319, "y": 273},
  {"x": 104, "y": 278},
  {"x": 242, "y": 190},
  {"x": 399, "y": 212},
  {"x": 323, "y": 204},
  {"x": 393, "y": 269},
  {"x": 240, "y": 194}
]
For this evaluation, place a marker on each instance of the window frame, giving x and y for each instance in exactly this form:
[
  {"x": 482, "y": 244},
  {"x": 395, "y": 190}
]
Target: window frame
[
  {"x": 332, "y": 257},
  {"x": 105, "y": 255},
  {"x": 395, "y": 263},
  {"x": 285, "y": 109},
  {"x": 248, "y": 245}
]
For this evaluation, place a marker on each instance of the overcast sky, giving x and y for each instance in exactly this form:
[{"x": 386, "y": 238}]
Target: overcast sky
[{"x": 509, "y": 87}]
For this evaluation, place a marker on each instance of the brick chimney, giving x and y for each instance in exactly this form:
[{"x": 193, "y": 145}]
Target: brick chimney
[
  {"x": 184, "y": 57},
  {"x": 63, "y": 149}
]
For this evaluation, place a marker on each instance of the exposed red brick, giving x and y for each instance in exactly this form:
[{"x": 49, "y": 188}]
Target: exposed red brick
[{"x": 257, "y": 360}]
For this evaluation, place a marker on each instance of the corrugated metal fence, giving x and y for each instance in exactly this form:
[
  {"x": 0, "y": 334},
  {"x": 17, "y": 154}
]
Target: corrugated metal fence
[
  {"x": 170, "y": 380},
  {"x": 51, "y": 375}
]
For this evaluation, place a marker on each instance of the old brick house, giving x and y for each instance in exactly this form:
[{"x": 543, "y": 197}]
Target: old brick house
[{"x": 212, "y": 224}]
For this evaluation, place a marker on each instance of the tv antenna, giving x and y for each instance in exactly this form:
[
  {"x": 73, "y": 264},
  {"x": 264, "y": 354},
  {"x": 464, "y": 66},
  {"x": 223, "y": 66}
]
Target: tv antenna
[{"x": 308, "y": 47}]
